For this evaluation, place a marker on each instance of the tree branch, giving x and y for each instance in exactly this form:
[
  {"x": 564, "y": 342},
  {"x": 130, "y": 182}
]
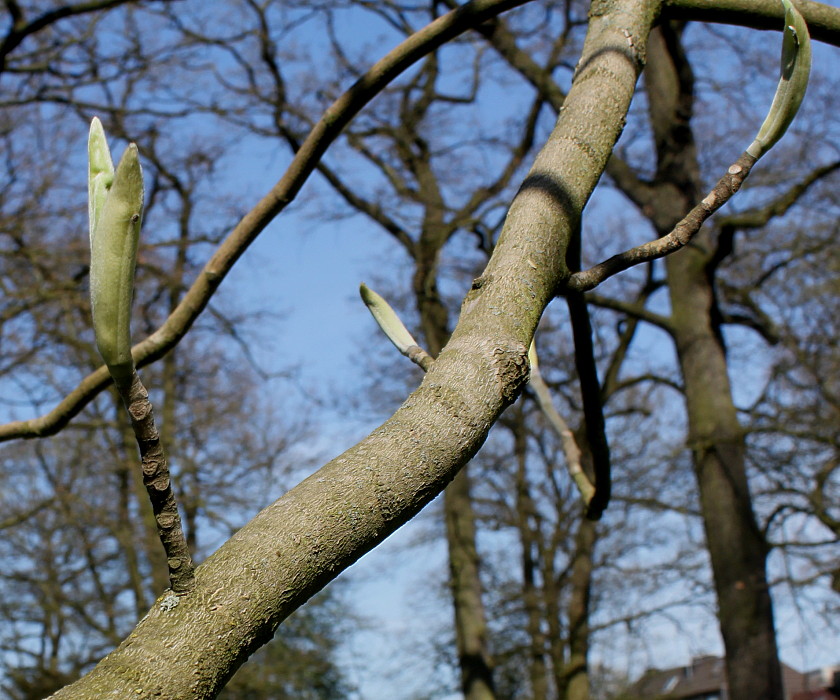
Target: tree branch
[
  {"x": 680, "y": 236},
  {"x": 158, "y": 484},
  {"x": 571, "y": 449},
  {"x": 593, "y": 410},
  {"x": 823, "y": 20},
  {"x": 634, "y": 309},
  {"x": 756, "y": 218},
  {"x": 305, "y": 539},
  {"x": 336, "y": 117},
  {"x": 18, "y": 518},
  {"x": 20, "y": 29}
]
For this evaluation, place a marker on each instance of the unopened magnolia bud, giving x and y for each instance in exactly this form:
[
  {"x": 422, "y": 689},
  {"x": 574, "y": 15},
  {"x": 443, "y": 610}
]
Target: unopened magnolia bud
[
  {"x": 100, "y": 172},
  {"x": 115, "y": 210},
  {"x": 387, "y": 319},
  {"x": 795, "y": 71}
]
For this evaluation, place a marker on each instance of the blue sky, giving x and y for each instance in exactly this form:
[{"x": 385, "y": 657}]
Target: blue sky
[{"x": 307, "y": 269}]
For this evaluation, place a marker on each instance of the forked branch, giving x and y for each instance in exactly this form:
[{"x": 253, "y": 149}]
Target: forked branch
[
  {"x": 795, "y": 71},
  {"x": 399, "y": 335}
]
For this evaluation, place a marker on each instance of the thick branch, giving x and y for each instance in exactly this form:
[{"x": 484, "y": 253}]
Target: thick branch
[
  {"x": 190, "y": 647},
  {"x": 823, "y": 20}
]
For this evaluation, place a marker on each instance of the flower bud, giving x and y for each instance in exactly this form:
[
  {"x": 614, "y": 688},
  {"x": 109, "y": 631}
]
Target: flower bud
[
  {"x": 795, "y": 71},
  {"x": 115, "y": 210}
]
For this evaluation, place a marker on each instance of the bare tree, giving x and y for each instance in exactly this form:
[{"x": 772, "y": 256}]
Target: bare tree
[{"x": 289, "y": 551}]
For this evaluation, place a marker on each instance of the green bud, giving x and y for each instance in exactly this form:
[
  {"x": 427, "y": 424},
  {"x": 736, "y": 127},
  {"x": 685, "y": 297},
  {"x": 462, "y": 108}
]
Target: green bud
[
  {"x": 795, "y": 71},
  {"x": 115, "y": 213},
  {"x": 387, "y": 319}
]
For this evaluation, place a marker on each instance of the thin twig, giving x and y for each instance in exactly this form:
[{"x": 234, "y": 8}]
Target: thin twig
[
  {"x": 158, "y": 484},
  {"x": 571, "y": 450},
  {"x": 683, "y": 232}
]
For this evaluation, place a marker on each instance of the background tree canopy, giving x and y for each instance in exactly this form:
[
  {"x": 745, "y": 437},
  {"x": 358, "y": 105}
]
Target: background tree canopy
[{"x": 668, "y": 479}]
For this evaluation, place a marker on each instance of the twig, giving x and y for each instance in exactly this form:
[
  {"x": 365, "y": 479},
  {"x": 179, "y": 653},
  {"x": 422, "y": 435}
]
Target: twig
[
  {"x": 158, "y": 484},
  {"x": 394, "y": 328},
  {"x": 571, "y": 450},
  {"x": 681, "y": 235},
  {"x": 398, "y": 334}
]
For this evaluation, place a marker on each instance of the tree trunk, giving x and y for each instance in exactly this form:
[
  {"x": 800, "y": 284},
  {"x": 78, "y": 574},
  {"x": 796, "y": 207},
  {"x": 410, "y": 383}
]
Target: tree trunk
[
  {"x": 736, "y": 546},
  {"x": 465, "y": 584},
  {"x": 737, "y": 549},
  {"x": 529, "y": 540},
  {"x": 576, "y": 672}
]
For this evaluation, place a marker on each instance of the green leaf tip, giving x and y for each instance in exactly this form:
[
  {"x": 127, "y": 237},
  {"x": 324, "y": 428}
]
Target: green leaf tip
[
  {"x": 795, "y": 71},
  {"x": 116, "y": 209},
  {"x": 387, "y": 319}
]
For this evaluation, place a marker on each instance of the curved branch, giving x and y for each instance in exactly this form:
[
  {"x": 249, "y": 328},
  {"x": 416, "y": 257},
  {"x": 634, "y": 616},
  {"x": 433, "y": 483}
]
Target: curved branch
[
  {"x": 336, "y": 117},
  {"x": 21, "y": 29},
  {"x": 680, "y": 236},
  {"x": 823, "y": 20},
  {"x": 633, "y": 309}
]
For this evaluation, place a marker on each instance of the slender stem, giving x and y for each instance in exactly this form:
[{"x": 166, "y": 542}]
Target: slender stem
[
  {"x": 158, "y": 484},
  {"x": 683, "y": 232},
  {"x": 571, "y": 449},
  {"x": 593, "y": 409}
]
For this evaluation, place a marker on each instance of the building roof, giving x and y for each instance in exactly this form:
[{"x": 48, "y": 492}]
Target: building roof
[{"x": 705, "y": 677}]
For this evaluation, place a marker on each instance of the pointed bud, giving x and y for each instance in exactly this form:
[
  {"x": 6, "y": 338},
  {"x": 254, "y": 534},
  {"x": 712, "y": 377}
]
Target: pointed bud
[
  {"x": 100, "y": 171},
  {"x": 115, "y": 213},
  {"x": 387, "y": 319},
  {"x": 796, "y": 69}
]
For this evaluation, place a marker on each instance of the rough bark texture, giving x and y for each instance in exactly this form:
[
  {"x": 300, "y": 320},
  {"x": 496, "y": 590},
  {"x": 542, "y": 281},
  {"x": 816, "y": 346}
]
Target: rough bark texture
[
  {"x": 144, "y": 531},
  {"x": 158, "y": 483},
  {"x": 736, "y": 546},
  {"x": 187, "y": 647}
]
